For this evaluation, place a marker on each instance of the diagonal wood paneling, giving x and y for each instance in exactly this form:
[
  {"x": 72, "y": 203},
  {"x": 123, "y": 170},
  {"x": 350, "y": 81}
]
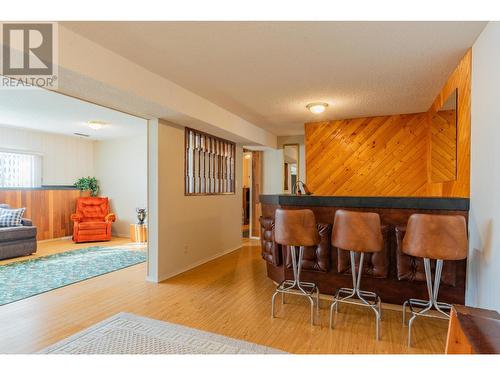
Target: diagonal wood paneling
[
  {"x": 400, "y": 155},
  {"x": 444, "y": 146},
  {"x": 383, "y": 155},
  {"x": 459, "y": 80}
]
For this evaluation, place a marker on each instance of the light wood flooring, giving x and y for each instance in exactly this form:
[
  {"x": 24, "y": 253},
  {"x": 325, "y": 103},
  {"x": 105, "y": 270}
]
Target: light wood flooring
[{"x": 230, "y": 296}]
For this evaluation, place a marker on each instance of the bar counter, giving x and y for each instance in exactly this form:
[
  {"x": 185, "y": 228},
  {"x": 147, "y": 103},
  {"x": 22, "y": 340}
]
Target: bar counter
[
  {"x": 425, "y": 203},
  {"x": 390, "y": 273}
]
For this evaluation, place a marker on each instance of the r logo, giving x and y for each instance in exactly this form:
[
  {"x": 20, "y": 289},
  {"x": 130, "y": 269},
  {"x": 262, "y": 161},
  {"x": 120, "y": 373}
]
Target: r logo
[{"x": 27, "y": 49}]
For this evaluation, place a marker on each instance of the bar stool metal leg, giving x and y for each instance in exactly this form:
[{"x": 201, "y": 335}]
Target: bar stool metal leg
[
  {"x": 297, "y": 287},
  {"x": 357, "y": 293},
  {"x": 426, "y": 306}
]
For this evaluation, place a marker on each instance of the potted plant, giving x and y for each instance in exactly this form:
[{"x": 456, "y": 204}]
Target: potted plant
[{"x": 88, "y": 183}]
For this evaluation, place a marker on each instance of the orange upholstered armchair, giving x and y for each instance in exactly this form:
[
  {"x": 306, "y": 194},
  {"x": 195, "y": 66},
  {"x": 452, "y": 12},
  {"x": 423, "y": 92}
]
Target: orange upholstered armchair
[{"x": 92, "y": 220}]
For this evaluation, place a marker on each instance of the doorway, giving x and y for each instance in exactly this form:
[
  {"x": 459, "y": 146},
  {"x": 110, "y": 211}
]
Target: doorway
[
  {"x": 77, "y": 186},
  {"x": 251, "y": 189},
  {"x": 246, "y": 193}
]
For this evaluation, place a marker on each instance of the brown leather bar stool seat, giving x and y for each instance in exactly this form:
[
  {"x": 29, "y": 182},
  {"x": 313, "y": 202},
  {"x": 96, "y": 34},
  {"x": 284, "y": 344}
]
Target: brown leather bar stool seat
[
  {"x": 438, "y": 237},
  {"x": 296, "y": 229},
  {"x": 358, "y": 232}
]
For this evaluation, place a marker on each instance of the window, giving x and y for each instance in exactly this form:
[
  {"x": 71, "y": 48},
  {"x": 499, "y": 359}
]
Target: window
[
  {"x": 210, "y": 164},
  {"x": 20, "y": 169}
]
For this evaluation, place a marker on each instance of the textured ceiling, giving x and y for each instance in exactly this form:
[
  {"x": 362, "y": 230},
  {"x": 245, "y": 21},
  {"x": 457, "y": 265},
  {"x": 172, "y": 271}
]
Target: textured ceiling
[{"x": 266, "y": 72}]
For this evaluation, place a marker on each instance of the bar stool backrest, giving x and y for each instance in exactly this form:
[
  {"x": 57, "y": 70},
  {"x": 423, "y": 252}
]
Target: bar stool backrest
[
  {"x": 295, "y": 228},
  {"x": 357, "y": 231},
  {"x": 436, "y": 237}
]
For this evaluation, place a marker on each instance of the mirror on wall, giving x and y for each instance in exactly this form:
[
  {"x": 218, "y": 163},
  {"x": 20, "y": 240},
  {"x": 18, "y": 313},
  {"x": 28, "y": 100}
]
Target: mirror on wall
[
  {"x": 290, "y": 167},
  {"x": 444, "y": 141}
]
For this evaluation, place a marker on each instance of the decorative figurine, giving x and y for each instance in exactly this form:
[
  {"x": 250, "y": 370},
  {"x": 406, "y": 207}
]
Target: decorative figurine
[{"x": 141, "y": 215}]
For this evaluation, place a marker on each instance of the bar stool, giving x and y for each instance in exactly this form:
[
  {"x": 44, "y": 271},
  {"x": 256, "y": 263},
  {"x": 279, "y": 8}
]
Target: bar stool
[
  {"x": 358, "y": 232},
  {"x": 296, "y": 228},
  {"x": 439, "y": 237}
]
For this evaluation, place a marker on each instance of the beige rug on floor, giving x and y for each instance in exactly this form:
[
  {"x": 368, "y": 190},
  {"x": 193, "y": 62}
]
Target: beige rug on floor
[{"x": 131, "y": 334}]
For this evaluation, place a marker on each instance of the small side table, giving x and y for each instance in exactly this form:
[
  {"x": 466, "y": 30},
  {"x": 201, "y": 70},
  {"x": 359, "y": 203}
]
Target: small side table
[
  {"x": 473, "y": 331},
  {"x": 139, "y": 233}
]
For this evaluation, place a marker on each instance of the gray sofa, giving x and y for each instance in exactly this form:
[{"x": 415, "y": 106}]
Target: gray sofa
[{"x": 17, "y": 241}]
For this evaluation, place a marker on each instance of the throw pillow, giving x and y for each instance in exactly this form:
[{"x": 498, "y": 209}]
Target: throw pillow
[{"x": 11, "y": 217}]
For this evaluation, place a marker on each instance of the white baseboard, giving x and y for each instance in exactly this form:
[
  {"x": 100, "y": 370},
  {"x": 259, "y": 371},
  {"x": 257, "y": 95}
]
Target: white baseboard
[
  {"x": 196, "y": 264},
  {"x": 254, "y": 238}
]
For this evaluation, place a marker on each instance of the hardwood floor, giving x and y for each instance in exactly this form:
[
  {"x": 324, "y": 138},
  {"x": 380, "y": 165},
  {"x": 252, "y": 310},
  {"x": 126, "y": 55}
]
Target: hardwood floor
[{"x": 230, "y": 295}]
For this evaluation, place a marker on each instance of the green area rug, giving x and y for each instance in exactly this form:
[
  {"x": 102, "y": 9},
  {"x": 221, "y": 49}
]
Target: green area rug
[{"x": 27, "y": 278}]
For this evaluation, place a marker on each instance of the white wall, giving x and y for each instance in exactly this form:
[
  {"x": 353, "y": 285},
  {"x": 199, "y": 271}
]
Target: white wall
[
  {"x": 120, "y": 166},
  {"x": 484, "y": 224},
  {"x": 65, "y": 158},
  {"x": 191, "y": 229}
]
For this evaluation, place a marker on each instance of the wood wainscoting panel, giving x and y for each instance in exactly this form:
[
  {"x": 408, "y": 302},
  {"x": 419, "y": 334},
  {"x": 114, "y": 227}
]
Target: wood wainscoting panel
[
  {"x": 374, "y": 156},
  {"x": 50, "y": 210}
]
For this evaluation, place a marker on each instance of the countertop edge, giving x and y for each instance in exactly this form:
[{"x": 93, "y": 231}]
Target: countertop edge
[{"x": 418, "y": 203}]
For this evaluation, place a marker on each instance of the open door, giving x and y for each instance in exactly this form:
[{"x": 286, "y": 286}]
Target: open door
[{"x": 246, "y": 193}]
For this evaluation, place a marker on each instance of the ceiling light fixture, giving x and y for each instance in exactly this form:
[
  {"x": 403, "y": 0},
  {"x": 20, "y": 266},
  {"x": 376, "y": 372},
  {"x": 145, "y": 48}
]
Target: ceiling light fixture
[
  {"x": 317, "y": 108},
  {"x": 96, "y": 125}
]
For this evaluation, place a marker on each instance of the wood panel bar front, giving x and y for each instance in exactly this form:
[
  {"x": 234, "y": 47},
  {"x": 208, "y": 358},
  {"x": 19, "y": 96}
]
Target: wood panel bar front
[
  {"x": 50, "y": 209},
  {"x": 398, "y": 283}
]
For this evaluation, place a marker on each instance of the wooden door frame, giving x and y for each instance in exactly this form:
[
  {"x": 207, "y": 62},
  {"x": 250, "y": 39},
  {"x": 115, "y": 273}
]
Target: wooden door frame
[{"x": 255, "y": 190}]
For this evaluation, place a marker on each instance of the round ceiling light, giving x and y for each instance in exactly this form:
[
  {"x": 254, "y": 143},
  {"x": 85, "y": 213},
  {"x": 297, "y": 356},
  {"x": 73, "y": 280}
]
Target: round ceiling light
[
  {"x": 96, "y": 125},
  {"x": 317, "y": 108}
]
